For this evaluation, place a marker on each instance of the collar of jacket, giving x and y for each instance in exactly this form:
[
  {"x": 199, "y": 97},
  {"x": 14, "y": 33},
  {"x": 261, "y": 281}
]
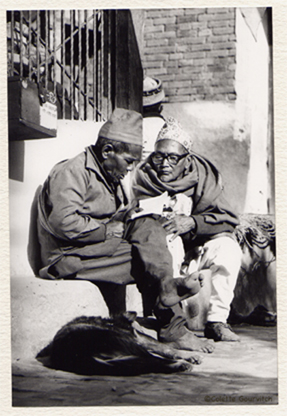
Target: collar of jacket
[{"x": 93, "y": 164}]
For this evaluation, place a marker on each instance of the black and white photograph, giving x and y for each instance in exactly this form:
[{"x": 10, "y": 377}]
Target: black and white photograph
[{"x": 142, "y": 206}]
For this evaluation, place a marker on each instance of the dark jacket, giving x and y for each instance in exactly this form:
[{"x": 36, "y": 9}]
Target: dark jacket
[{"x": 73, "y": 207}]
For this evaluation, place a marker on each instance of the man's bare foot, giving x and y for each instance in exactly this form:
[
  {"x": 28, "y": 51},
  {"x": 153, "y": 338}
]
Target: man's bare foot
[
  {"x": 191, "y": 282},
  {"x": 176, "y": 290},
  {"x": 220, "y": 331},
  {"x": 190, "y": 342}
]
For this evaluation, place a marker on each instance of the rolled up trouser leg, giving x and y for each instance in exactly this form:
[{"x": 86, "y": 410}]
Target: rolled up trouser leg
[
  {"x": 222, "y": 256},
  {"x": 172, "y": 322}
]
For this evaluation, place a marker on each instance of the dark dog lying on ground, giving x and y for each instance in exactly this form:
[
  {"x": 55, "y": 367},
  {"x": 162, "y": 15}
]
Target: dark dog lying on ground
[{"x": 98, "y": 346}]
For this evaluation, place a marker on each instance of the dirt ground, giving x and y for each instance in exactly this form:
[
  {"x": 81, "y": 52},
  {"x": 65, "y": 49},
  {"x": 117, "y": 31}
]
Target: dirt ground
[{"x": 243, "y": 373}]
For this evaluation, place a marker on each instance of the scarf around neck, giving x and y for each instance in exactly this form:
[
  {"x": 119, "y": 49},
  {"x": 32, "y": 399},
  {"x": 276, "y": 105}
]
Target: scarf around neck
[{"x": 202, "y": 182}]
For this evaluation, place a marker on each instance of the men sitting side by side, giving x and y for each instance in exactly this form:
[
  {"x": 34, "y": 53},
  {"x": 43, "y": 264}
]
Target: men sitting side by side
[{"x": 85, "y": 233}]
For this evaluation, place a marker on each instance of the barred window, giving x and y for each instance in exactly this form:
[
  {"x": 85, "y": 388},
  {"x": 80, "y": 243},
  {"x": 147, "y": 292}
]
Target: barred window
[{"x": 88, "y": 59}]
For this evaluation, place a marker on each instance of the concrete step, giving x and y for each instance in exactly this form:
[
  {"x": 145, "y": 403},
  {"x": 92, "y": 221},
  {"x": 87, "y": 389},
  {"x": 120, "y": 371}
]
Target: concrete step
[{"x": 39, "y": 308}]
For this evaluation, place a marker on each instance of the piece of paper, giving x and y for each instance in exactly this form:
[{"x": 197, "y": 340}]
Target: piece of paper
[{"x": 153, "y": 205}]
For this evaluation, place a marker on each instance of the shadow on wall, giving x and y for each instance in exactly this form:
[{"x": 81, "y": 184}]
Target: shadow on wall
[
  {"x": 231, "y": 158},
  {"x": 211, "y": 125},
  {"x": 16, "y": 160},
  {"x": 30, "y": 162}
]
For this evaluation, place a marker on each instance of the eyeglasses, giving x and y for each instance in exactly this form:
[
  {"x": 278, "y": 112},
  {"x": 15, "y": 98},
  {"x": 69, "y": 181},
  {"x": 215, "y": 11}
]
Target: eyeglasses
[{"x": 172, "y": 158}]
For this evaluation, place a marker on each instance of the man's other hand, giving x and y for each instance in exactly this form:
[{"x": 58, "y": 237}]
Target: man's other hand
[
  {"x": 114, "y": 229},
  {"x": 178, "y": 225}
]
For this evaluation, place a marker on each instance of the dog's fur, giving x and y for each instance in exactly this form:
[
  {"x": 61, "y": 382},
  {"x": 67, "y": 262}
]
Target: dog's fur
[{"x": 105, "y": 346}]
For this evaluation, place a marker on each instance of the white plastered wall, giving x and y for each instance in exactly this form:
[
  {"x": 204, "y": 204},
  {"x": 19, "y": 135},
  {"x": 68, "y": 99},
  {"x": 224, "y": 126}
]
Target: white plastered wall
[
  {"x": 252, "y": 103},
  {"x": 39, "y": 157}
]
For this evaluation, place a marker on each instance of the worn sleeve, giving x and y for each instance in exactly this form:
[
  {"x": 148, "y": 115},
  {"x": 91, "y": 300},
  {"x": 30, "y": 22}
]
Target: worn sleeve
[{"x": 67, "y": 190}]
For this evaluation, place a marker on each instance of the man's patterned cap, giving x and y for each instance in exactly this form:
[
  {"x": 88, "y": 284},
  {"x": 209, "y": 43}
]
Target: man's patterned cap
[{"x": 173, "y": 130}]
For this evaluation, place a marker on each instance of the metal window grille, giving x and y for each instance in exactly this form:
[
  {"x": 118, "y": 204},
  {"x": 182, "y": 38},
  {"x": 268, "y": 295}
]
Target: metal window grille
[
  {"x": 89, "y": 59},
  {"x": 65, "y": 52}
]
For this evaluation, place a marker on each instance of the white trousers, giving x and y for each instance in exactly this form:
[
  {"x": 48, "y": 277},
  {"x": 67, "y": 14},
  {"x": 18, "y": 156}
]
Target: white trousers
[{"x": 221, "y": 258}]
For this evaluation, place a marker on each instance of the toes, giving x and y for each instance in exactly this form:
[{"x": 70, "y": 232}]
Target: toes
[
  {"x": 180, "y": 365},
  {"x": 192, "y": 358},
  {"x": 188, "y": 369},
  {"x": 208, "y": 348},
  {"x": 195, "y": 359}
]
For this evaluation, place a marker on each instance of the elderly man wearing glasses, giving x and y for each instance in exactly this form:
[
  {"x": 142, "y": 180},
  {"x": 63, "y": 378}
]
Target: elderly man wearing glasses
[{"x": 206, "y": 227}]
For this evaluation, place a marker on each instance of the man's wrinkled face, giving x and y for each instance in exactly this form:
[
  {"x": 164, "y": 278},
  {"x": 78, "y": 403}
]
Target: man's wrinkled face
[
  {"x": 169, "y": 160},
  {"x": 117, "y": 165}
]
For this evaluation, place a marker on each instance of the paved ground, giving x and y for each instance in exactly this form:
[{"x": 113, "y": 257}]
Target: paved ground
[{"x": 242, "y": 373}]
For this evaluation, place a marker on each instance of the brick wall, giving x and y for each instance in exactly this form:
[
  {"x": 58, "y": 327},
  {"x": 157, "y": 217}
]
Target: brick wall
[{"x": 193, "y": 51}]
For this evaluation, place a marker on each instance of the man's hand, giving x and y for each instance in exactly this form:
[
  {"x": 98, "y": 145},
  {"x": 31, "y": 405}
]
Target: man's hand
[
  {"x": 114, "y": 229},
  {"x": 179, "y": 224}
]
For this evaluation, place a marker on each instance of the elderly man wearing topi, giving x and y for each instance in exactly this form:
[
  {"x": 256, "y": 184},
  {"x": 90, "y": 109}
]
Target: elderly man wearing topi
[
  {"x": 206, "y": 225},
  {"x": 85, "y": 231}
]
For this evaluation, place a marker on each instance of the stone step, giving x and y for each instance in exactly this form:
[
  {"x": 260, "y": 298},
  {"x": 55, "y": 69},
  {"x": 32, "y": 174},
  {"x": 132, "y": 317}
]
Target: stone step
[{"x": 39, "y": 308}]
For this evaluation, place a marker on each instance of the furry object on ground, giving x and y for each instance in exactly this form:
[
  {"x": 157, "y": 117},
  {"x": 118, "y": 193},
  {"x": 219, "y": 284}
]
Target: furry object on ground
[{"x": 118, "y": 346}]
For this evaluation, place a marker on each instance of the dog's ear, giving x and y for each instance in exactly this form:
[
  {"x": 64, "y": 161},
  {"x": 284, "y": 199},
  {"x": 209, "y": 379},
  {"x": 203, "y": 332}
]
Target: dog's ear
[{"x": 130, "y": 316}]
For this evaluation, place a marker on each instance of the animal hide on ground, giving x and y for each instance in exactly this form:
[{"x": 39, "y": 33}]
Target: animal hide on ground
[{"x": 98, "y": 346}]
